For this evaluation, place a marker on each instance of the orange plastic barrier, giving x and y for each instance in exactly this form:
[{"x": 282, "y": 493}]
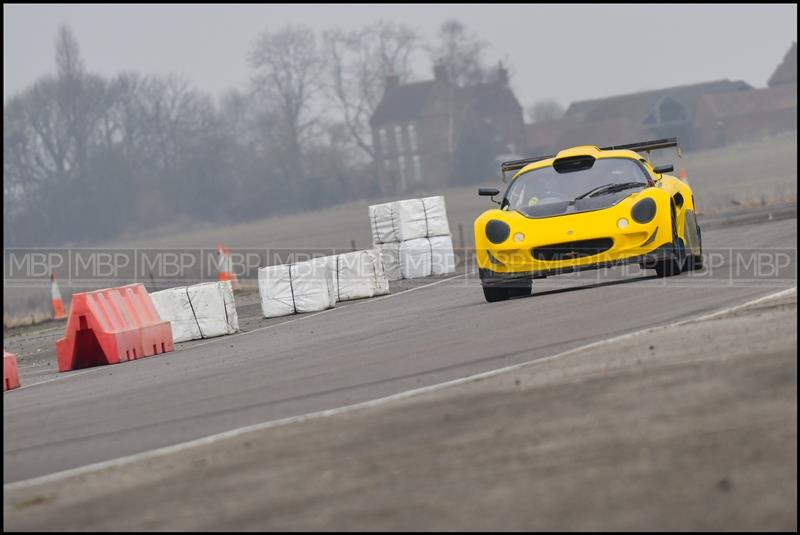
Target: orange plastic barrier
[
  {"x": 10, "y": 371},
  {"x": 112, "y": 326}
]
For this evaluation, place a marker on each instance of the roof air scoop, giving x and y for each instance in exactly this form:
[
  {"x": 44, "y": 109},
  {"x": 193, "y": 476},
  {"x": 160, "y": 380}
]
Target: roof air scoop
[{"x": 571, "y": 164}]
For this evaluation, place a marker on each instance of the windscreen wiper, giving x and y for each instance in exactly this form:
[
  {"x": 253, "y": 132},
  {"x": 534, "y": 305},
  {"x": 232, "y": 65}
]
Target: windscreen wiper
[{"x": 609, "y": 188}]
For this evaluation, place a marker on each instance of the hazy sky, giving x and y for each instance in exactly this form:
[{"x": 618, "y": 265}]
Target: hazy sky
[{"x": 566, "y": 52}]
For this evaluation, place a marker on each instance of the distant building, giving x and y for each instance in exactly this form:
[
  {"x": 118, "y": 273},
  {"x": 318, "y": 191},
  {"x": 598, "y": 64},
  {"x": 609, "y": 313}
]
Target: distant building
[
  {"x": 786, "y": 73},
  {"x": 434, "y": 132},
  {"x": 702, "y": 116},
  {"x": 627, "y": 118},
  {"x": 744, "y": 116}
]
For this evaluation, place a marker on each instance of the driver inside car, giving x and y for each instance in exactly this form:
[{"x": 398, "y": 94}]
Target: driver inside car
[{"x": 548, "y": 192}]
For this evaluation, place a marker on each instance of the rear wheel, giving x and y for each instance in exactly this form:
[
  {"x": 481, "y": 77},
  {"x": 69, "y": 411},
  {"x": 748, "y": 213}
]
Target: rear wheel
[{"x": 695, "y": 262}]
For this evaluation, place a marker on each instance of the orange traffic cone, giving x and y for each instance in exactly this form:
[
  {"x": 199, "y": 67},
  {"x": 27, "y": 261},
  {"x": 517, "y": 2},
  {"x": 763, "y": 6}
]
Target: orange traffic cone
[
  {"x": 225, "y": 266},
  {"x": 682, "y": 175},
  {"x": 55, "y": 296}
]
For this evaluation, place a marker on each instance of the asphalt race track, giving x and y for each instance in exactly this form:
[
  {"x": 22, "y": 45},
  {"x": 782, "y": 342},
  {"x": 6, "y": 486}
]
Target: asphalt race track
[{"x": 440, "y": 330}]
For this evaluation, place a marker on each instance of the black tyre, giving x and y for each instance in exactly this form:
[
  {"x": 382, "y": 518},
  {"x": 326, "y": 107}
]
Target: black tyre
[
  {"x": 495, "y": 293},
  {"x": 673, "y": 266},
  {"x": 695, "y": 262},
  {"x": 503, "y": 292},
  {"x": 521, "y": 289}
]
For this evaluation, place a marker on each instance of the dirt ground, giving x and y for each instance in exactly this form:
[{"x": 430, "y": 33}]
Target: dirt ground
[{"x": 685, "y": 427}]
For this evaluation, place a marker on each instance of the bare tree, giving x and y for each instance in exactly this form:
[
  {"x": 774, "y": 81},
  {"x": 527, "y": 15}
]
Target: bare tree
[
  {"x": 87, "y": 158},
  {"x": 461, "y": 52},
  {"x": 79, "y": 96},
  {"x": 68, "y": 56},
  {"x": 545, "y": 110},
  {"x": 359, "y": 63},
  {"x": 288, "y": 76}
]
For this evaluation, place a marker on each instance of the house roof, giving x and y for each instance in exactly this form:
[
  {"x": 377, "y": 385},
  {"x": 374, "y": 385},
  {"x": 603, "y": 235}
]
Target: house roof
[
  {"x": 635, "y": 106},
  {"x": 490, "y": 98},
  {"x": 786, "y": 72},
  {"x": 402, "y": 103},
  {"x": 603, "y": 132},
  {"x": 721, "y": 105}
]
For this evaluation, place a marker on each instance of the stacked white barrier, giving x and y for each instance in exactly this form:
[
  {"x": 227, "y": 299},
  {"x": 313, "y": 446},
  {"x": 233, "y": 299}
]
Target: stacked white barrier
[
  {"x": 296, "y": 288},
  {"x": 415, "y": 258},
  {"x": 390, "y": 258},
  {"x": 200, "y": 311},
  {"x": 443, "y": 259},
  {"x": 381, "y": 217},
  {"x": 412, "y": 237}
]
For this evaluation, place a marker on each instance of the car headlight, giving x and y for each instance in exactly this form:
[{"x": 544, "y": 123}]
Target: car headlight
[
  {"x": 622, "y": 223},
  {"x": 497, "y": 231},
  {"x": 519, "y": 237},
  {"x": 644, "y": 211}
]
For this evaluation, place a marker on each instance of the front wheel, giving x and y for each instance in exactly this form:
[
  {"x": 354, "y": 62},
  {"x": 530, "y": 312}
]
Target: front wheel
[
  {"x": 673, "y": 266},
  {"x": 503, "y": 292},
  {"x": 668, "y": 267}
]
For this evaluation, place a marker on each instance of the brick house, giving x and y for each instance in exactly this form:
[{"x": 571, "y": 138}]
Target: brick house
[{"x": 433, "y": 132}]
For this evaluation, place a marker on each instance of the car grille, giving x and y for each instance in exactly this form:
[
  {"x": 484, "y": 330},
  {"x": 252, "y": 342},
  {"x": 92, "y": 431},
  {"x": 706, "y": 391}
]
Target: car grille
[{"x": 573, "y": 249}]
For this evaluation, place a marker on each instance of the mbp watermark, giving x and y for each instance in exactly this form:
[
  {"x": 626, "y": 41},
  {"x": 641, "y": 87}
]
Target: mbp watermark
[{"x": 166, "y": 268}]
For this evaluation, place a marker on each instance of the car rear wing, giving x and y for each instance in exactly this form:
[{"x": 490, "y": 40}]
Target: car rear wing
[{"x": 642, "y": 146}]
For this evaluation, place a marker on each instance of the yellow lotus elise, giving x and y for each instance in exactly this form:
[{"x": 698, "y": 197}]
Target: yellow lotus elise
[{"x": 586, "y": 208}]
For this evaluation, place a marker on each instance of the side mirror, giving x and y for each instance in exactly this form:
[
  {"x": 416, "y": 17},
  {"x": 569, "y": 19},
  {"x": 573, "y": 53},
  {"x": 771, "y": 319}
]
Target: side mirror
[
  {"x": 661, "y": 169},
  {"x": 489, "y": 192}
]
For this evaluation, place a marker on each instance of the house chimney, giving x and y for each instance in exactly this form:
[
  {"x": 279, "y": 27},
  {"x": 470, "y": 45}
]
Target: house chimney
[
  {"x": 502, "y": 74},
  {"x": 440, "y": 72},
  {"x": 392, "y": 80}
]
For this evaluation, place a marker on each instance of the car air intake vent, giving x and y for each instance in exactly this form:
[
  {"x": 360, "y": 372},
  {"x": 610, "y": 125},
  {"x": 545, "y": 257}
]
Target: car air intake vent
[{"x": 573, "y": 249}]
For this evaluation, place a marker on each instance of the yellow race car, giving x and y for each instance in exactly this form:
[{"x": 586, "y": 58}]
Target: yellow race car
[{"x": 586, "y": 208}]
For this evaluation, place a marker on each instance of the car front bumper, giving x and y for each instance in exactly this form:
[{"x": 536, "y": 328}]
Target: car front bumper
[{"x": 663, "y": 252}]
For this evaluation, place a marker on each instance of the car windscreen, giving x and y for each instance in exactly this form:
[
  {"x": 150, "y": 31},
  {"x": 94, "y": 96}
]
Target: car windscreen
[{"x": 548, "y": 185}]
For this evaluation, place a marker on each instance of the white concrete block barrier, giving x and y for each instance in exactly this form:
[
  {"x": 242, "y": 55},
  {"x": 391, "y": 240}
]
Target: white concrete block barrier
[
  {"x": 443, "y": 259},
  {"x": 214, "y": 308},
  {"x": 358, "y": 275},
  {"x": 200, "y": 311},
  {"x": 390, "y": 257},
  {"x": 173, "y": 306},
  {"x": 408, "y": 219},
  {"x": 424, "y": 257},
  {"x": 296, "y": 288}
]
